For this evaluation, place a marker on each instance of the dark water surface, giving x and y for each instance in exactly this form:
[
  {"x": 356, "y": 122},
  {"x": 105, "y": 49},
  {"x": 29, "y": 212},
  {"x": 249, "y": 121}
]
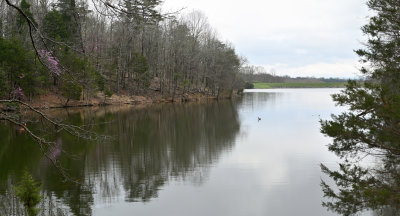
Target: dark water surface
[{"x": 192, "y": 159}]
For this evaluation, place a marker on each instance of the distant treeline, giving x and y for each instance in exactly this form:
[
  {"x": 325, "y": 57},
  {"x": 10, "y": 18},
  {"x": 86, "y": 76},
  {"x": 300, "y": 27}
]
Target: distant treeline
[
  {"x": 253, "y": 74},
  {"x": 296, "y": 85}
]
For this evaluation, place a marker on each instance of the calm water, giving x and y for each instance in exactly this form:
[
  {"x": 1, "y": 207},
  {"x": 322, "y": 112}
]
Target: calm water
[{"x": 193, "y": 159}]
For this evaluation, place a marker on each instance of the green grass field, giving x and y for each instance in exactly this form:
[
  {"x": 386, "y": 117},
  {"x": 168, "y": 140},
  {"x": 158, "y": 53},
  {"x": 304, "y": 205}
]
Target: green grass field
[{"x": 298, "y": 85}]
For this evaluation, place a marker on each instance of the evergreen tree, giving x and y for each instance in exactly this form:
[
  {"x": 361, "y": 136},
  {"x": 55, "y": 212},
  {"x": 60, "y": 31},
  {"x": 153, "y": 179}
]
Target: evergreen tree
[
  {"x": 142, "y": 11},
  {"x": 17, "y": 66},
  {"x": 28, "y": 191},
  {"x": 55, "y": 27},
  {"x": 141, "y": 70},
  {"x": 371, "y": 126},
  {"x": 70, "y": 16},
  {"x": 25, "y": 7}
]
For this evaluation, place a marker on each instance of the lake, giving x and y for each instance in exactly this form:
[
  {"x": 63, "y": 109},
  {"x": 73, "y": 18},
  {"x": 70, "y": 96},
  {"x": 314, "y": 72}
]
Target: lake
[{"x": 214, "y": 158}]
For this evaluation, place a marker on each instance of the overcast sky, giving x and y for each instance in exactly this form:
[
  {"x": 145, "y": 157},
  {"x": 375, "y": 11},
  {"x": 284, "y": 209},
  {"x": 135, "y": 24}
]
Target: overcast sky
[{"x": 293, "y": 37}]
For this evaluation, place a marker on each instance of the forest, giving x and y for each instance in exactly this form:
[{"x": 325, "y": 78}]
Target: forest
[{"x": 81, "y": 49}]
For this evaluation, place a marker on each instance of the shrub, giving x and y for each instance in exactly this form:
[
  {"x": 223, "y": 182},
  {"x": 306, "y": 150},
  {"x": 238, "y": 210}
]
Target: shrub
[{"x": 248, "y": 85}]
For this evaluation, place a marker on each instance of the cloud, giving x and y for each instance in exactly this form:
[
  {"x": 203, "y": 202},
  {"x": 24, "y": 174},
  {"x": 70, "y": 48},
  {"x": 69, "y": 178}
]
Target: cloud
[
  {"x": 298, "y": 33},
  {"x": 345, "y": 68}
]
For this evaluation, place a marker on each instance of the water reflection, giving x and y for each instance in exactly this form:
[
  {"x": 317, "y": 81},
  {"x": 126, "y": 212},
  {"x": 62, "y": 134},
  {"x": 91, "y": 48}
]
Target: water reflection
[
  {"x": 193, "y": 159},
  {"x": 165, "y": 142},
  {"x": 151, "y": 147}
]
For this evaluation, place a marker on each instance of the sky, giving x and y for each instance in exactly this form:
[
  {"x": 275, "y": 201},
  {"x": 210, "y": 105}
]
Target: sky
[{"x": 290, "y": 37}]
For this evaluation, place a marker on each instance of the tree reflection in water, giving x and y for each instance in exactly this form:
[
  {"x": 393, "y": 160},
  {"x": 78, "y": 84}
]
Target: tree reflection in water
[{"x": 150, "y": 147}]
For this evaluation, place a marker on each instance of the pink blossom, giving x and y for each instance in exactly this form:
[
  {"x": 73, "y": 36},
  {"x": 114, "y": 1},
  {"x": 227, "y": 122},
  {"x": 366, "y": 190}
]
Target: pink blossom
[
  {"x": 51, "y": 61},
  {"x": 18, "y": 93}
]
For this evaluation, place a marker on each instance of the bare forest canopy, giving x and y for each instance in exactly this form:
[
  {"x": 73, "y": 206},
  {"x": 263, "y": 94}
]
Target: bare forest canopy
[{"x": 79, "y": 48}]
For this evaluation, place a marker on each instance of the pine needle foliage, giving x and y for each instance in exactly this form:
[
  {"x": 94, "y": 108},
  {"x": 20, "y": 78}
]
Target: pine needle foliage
[
  {"x": 371, "y": 126},
  {"x": 28, "y": 191}
]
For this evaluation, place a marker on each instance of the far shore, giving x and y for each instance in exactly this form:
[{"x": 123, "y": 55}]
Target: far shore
[{"x": 260, "y": 85}]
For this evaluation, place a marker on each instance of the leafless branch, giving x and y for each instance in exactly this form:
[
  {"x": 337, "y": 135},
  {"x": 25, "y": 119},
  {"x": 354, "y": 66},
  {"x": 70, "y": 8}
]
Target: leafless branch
[{"x": 45, "y": 145}]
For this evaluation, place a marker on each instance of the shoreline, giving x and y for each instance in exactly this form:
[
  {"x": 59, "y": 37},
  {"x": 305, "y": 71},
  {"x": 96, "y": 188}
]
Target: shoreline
[{"x": 51, "y": 100}]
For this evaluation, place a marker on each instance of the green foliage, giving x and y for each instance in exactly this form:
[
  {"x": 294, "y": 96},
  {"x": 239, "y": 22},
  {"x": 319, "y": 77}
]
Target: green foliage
[
  {"x": 101, "y": 84},
  {"x": 371, "y": 125},
  {"x": 141, "y": 69},
  {"x": 55, "y": 27},
  {"x": 82, "y": 70},
  {"x": 108, "y": 92},
  {"x": 3, "y": 84},
  {"x": 248, "y": 85},
  {"x": 71, "y": 12},
  {"x": 25, "y": 7},
  {"x": 28, "y": 191},
  {"x": 71, "y": 89},
  {"x": 142, "y": 12},
  {"x": 17, "y": 64},
  {"x": 71, "y": 85}
]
